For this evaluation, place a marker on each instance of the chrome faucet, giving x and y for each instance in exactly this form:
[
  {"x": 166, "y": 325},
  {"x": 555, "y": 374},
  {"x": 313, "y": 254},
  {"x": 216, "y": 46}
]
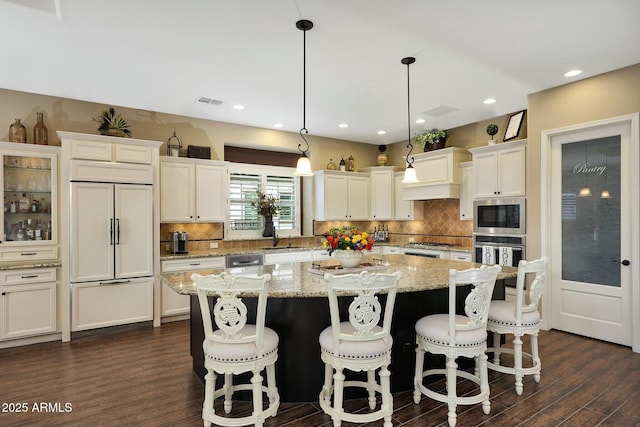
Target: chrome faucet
[{"x": 275, "y": 237}]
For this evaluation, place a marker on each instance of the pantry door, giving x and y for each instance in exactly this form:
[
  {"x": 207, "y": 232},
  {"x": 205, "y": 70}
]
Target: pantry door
[{"x": 592, "y": 194}]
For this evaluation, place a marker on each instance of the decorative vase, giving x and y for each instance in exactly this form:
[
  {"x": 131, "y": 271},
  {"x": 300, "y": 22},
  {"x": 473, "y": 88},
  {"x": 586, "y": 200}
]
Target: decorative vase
[
  {"x": 17, "y": 132},
  {"x": 491, "y": 142},
  {"x": 267, "y": 231},
  {"x": 348, "y": 259},
  {"x": 40, "y": 132},
  {"x": 382, "y": 159}
]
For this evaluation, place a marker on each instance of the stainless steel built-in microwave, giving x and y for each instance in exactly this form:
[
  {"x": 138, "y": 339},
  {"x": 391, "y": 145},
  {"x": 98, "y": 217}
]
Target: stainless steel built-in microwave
[{"x": 499, "y": 216}]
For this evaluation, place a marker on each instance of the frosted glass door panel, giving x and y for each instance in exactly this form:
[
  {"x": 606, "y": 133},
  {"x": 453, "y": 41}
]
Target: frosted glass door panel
[{"x": 591, "y": 211}]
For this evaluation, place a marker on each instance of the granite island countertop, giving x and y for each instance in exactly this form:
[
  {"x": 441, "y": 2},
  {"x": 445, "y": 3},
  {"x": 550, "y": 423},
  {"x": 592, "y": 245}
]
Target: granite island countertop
[
  {"x": 20, "y": 265},
  {"x": 295, "y": 280}
]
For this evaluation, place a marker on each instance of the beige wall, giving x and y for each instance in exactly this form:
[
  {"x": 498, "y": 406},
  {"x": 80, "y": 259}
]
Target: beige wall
[
  {"x": 76, "y": 116},
  {"x": 607, "y": 95}
]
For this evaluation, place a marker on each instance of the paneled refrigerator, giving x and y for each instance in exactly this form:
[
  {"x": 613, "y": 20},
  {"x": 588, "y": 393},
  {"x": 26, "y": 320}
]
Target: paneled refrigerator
[{"x": 111, "y": 269}]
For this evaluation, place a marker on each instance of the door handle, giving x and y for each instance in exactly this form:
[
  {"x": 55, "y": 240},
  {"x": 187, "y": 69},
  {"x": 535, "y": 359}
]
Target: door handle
[
  {"x": 118, "y": 230},
  {"x": 111, "y": 231},
  {"x": 624, "y": 262}
]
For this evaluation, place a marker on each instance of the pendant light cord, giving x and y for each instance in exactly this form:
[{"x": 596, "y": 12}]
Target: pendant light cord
[
  {"x": 410, "y": 159},
  {"x": 304, "y": 25}
]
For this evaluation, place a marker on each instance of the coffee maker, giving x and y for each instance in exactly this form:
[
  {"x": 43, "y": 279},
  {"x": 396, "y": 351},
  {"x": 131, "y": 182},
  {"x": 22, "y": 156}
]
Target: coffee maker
[{"x": 179, "y": 241}]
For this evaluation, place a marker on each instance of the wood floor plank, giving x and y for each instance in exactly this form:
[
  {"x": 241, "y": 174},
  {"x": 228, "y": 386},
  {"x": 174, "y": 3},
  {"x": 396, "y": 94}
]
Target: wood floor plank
[{"x": 143, "y": 377}]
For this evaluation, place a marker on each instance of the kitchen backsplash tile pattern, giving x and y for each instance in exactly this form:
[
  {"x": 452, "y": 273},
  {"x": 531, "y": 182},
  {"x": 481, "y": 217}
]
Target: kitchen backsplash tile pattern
[{"x": 441, "y": 224}]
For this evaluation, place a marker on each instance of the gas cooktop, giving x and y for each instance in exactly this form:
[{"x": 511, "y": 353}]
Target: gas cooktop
[{"x": 428, "y": 245}]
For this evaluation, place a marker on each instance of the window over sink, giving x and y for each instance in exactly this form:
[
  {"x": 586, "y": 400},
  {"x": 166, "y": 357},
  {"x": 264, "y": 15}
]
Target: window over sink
[{"x": 244, "y": 182}]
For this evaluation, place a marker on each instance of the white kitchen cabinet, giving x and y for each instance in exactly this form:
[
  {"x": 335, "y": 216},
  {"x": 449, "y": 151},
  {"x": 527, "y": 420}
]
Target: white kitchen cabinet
[
  {"x": 461, "y": 256},
  {"x": 466, "y": 191},
  {"x": 405, "y": 210},
  {"x": 29, "y": 181},
  {"x": 286, "y": 257},
  {"x": 193, "y": 190},
  {"x": 111, "y": 231},
  {"x": 174, "y": 304},
  {"x": 342, "y": 196},
  {"x": 28, "y": 305},
  {"x": 110, "y": 303},
  {"x": 499, "y": 170},
  {"x": 382, "y": 192},
  {"x": 97, "y": 150}
]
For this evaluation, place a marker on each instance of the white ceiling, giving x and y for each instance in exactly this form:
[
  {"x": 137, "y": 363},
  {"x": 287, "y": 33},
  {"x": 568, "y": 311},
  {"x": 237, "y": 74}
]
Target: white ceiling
[{"x": 162, "y": 55}]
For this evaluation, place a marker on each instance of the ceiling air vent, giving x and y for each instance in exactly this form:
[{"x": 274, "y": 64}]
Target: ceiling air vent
[
  {"x": 440, "y": 110},
  {"x": 209, "y": 101}
]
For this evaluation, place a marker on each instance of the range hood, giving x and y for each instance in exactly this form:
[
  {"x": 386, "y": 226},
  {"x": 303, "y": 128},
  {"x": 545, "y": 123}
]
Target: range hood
[
  {"x": 425, "y": 191},
  {"x": 438, "y": 174}
]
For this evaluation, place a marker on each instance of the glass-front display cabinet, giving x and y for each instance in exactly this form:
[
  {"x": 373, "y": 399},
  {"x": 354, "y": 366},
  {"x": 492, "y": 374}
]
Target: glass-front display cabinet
[{"x": 29, "y": 180}]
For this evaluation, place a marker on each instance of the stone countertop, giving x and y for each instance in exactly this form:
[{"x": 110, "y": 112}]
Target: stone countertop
[
  {"x": 294, "y": 280},
  {"x": 280, "y": 249},
  {"x": 21, "y": 265}
]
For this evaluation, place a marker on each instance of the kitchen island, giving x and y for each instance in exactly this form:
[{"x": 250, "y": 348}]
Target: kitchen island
[{"x": 298, "y": 311}]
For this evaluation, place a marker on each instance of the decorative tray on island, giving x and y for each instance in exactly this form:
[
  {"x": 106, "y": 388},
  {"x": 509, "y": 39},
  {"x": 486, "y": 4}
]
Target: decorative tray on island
[{"x": 338, "y": 269}]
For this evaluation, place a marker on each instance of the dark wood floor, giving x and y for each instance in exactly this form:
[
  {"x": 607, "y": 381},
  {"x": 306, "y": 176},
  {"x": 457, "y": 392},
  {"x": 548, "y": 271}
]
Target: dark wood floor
[{"x": 143, "y": 377}]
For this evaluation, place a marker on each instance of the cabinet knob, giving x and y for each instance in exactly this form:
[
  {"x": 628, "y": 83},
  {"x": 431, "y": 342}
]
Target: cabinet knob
[{"x": 4, "y": 293}]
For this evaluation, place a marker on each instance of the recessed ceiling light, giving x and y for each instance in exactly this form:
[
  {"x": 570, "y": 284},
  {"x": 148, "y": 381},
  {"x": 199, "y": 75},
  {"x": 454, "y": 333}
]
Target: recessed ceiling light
[
  {"x": 238, "y": 107},
  {"x": 382, "y": 132},
  {"x": 572, "y": 73},
  {"x": 489, "y": 101},
  {"x": 278, "y": 125},
  {"x": 343, "y": 125},
  {"x": 420, "y": 121}
]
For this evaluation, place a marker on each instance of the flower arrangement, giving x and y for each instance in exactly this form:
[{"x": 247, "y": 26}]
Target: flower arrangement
[
  {"x": 347, "y": 238},
  {"x": 266, "y": 206},
  {"x": 430, "y": 137},
  {"x": 112, "y": 124}
]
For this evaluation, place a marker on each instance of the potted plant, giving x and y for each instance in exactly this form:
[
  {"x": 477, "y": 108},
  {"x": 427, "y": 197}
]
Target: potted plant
[
  {"x": 112, "y": 124},
  {"x": 267, "y": 207},
  {"x": 432, "y": 139}
]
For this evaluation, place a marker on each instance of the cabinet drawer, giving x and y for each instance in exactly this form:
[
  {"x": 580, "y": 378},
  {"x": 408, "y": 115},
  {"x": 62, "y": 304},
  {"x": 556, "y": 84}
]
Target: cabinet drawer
[
  {"x": 29, "y": 254},
  {"x": 461, "y": 256},
  {"x": 32, "y": 275},
  {"x": 97, "y": 306},
  {"x": 287, "y": 257},
  {"x": 193, "y": 264}
]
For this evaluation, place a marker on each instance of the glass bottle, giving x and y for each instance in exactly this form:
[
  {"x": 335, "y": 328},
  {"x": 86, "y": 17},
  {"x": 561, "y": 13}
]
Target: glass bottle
[
  {"x": 17, "y": 132},
  {"x": 40, "y": 132},
  {"x": 37, "y": 232},
  {"x": 29, "y": 230},
  {"x": 12, "y": 206},
  {"x": 351, "y": 165},
  {"x": 24, "y": 204},
  {"x": 343, "y": 164}
]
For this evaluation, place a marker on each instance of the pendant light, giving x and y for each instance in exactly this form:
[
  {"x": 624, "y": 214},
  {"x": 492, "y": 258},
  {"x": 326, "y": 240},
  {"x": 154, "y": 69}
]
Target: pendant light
[
  {"x": 303, "y": 167},
  {"x": 409, "y": 172}
]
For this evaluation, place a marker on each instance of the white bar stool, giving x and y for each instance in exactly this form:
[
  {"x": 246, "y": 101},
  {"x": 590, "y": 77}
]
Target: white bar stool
[
  {"x": 237, "y": 347},
  {"x": 457, "y": 335},
  {"x": 359, "y": 344},
  {"x": 519, "y": 317}
]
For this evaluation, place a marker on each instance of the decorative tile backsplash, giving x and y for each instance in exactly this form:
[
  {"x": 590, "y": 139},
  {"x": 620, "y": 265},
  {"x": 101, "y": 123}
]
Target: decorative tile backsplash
[{"x": 441, "y": 224}]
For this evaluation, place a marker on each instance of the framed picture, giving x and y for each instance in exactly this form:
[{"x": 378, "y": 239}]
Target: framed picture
[{"x": 513, "y": 127}]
